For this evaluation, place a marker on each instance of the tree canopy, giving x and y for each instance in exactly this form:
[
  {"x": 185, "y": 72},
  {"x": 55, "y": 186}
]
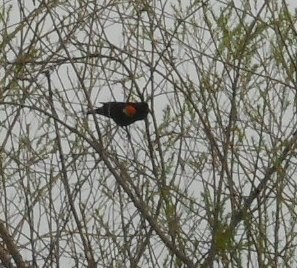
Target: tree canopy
[{"x": 207, "y": 180}]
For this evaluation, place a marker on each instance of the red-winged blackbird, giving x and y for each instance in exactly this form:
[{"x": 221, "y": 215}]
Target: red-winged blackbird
[{"x": 123, "y": 113}]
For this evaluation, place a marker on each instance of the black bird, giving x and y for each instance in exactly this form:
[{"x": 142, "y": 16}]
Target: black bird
[{"x": 123, "y": 113}]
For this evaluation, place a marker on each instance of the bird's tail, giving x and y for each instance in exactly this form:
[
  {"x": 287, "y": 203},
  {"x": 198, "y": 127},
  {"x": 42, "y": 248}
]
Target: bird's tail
[{"x": 99, "y": 110}]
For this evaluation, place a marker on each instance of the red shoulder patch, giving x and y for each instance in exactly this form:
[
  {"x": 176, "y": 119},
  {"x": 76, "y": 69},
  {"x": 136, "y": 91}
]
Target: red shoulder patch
[{"x": 130, "y": 110}]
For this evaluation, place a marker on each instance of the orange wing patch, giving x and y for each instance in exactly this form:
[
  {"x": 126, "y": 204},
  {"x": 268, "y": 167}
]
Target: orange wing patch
[{"x": 130, "y": 110}]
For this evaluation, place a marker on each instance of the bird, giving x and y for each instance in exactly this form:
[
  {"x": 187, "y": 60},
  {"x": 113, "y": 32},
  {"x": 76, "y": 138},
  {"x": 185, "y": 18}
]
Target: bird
[{"x": 123, "y": 113}]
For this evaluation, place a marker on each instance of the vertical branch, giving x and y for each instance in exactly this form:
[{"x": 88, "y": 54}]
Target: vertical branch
[{"x": 87, "y": 247}]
